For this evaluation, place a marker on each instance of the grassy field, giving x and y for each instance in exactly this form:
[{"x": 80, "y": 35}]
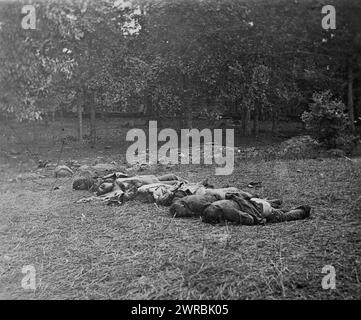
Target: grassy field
[{"x": 138, "y": 251}]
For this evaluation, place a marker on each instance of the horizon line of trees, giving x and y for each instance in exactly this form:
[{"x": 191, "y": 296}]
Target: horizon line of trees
[{"x": 183, "y": 59}]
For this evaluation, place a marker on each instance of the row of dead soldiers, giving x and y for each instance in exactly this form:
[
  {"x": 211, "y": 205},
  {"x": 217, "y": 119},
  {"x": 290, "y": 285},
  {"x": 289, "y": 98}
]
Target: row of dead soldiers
[{"x": 213, "y": 205}]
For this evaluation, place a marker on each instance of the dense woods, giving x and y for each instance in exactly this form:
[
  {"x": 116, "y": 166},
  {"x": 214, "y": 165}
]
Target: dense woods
[{"x": 185, "y": 59}]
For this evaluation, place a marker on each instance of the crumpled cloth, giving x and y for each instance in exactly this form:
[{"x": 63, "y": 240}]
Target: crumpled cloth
[
  {"x": 253, "y": 208},
  {"x": 159, "y": 193},
  {"x": 117, "y": 188},
  {"x": 220, "y": 193}
]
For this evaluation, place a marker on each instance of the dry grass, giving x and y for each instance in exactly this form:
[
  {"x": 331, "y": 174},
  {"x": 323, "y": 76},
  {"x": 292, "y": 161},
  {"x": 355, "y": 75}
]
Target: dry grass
[{"x": 138, "y": 251}]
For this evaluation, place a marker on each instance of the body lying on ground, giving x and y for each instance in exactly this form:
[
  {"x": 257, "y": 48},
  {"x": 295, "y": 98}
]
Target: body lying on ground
[
  {"x": 213, "y": 205},
  {"x": 236, "y": 208},
  {"x": 147, "y": 188},
  {"x": 110, "y": 182}
]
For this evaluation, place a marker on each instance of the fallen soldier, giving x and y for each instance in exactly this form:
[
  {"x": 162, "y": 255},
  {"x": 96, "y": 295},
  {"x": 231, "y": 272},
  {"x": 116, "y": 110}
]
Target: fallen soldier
[
  {"x": 213, "y": 205},
  {"x": 104, "y": 184},
  {"x": 191, "y": 206},
  {"x": 223, "y": 211},
  {"x": 115, "y": 196},
  {"x": 87, "y": 180},
  {"x": 159, "y": 193},
  {"x": 194, "y": 205},
  {"x": 118, "y": 187},
  {"x": 138, "y": 181},
  {"x": 235, "y": 209},
  {"x": 165, "y": 194}
]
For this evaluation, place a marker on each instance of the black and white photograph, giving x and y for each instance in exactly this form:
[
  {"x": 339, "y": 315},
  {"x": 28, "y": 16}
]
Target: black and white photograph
[{"x": 199, "y": 152}]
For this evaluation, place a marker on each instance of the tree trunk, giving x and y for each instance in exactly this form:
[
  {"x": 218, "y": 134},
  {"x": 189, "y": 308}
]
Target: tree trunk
[
  {"x": 53, "y": 116},
  {"x": 80, "y": 123},
  {"x": 62, "y": 115},
  {"x": 189, "y": 119},
  {"x": 358, "y": 103},
  {"x": 262, "y": 115},
  {"x": 102, "y": 114},
  {"x": 46, "y": 120},
  {"x": 274, "y": 120},
  {"x": 92, "y": 122},
  {"x": 256, "y": 120},
  {"x": 187, "y": 102},
  {"x": 35, "y": 131},
  {"x": 150, "y": 106},
  {"x": 246, "y": 119},
  {"x": 160, "y": 123},
  {"x": 147, "y": 102},
  {"x": 350, "y": 102},
  {"x": 88, "y": 93}
]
